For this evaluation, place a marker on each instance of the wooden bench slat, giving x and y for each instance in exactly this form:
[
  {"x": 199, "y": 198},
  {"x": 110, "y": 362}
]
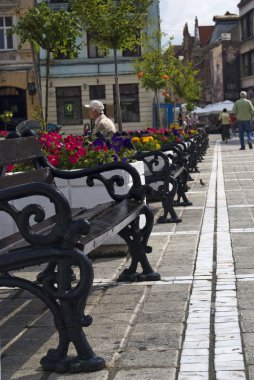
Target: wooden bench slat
[
  {"x": 19, "y": 150},
  {"x": 40, "y": 175}
]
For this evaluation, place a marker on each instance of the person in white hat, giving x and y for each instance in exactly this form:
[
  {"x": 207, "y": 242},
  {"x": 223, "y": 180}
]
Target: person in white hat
[{"x": 103, "y": 124}]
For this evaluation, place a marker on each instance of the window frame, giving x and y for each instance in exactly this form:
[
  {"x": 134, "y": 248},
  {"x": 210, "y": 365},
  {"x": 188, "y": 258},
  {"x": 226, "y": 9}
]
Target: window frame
[
  {"x": 4, "y": 28},
  {"x": 92, "y": 49}
]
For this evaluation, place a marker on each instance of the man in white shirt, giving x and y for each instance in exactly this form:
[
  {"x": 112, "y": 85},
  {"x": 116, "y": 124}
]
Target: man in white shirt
[{"x": 103, "y": 124}]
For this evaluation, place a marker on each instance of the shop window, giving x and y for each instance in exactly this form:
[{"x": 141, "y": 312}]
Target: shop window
[
  {"x": 97, "y": 92},
  {"x": 69, "y": 106},
  {"x": 129, "y": 100},
  {"x": 6, "y": 40}
]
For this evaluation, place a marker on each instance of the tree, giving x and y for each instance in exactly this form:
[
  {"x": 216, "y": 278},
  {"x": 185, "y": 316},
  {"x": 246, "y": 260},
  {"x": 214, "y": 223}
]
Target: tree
[
  {"x": 152, "y": 72},
  {"x": 184, "y": 82},
  {"x": 54, "y": 31},
  {"x": 113, "y": 25},
  {"x": 161, "y": 70}
]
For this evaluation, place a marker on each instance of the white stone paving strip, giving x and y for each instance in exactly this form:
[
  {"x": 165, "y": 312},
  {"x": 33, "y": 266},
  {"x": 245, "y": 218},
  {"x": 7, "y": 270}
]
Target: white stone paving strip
[
  {"x": 229, "y": 361},
  {"x": 193, "y": 365}
]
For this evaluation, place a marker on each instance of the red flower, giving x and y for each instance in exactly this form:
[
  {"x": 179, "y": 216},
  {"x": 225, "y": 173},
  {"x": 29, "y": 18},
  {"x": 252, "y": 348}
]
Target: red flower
[
  {"x": 165, "y": 76},
  {"x": 74, "y": 158},
  {"x": 54, "y": 160},
  {"x": 9, "y": 168}
]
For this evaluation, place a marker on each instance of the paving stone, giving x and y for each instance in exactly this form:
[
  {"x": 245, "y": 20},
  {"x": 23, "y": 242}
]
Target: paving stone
[
  {"x": 146, "y": 374},
  {"x": 230, "y": 375},
  {"x": 102, "y": 375},
  {"x": 193, "y": 375},
  {"x": 163, "y": 358}
]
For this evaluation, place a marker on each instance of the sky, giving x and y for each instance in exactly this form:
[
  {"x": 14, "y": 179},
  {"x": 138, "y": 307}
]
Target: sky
[{"x": 175, "y": 13}]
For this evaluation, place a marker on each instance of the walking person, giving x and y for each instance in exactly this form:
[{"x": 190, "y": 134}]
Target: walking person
[
  {"x": 233, "y": 123},
  {"x": 244, "y": 110},
  {"x": 103, "y": 124},
  {"x": 224, "y": 119}
]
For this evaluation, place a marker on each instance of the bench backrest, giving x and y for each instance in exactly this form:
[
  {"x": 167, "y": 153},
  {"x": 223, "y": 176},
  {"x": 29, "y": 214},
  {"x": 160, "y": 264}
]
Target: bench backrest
[{"x": 17, "y": 151}]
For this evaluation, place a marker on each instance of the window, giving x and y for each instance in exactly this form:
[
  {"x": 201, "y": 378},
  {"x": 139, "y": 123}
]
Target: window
[
  {"x": 136, "y": 52},
  {"x": 245, "y": 65},
  {"x": 97, "y": 92},
  {"x": 129, "y": 100},
  {"x": 69, "y": 107},
  {"x": 6, "y": 41},
  {"x": 248, "y": 64},
  {"x": 247, "y": 25},
  {"x": 252, "y": 63},
  {"x": 92, "y": 49}
]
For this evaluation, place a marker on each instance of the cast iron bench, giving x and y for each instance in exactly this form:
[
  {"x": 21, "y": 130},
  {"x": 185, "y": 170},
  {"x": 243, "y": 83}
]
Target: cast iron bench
[
  {"x": 161, "y": 182},
  {"x": 196, "y": 150},
  {"x": 166, "y": 170},
  {"x": 64, "y": 240}
]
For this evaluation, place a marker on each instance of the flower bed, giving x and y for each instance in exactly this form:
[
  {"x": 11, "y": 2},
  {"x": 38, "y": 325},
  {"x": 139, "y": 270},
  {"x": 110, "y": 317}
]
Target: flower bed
[
  {"x": 75, "y": 152},
  {"x": 153, "y": 139}
]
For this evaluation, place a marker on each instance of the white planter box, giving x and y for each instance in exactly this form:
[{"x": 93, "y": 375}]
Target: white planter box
[{"x": 78, "y": 194}]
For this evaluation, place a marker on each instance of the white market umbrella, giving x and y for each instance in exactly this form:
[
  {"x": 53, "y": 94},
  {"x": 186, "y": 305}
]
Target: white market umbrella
[{"x": 218, "y": 107}]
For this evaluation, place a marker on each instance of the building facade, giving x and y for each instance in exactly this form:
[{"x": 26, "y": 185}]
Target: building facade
[
  {"x": 17, "y": 82},
  {"x": 246, "y": 13},
  {"x": 215, "y": 51},
  {"x": 74, "y": 83},
  {"x": 224, "y": 50}
]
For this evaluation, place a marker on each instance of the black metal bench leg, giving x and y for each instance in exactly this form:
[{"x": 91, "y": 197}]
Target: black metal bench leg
[
  {"x": 86, "y": 360},
  {"x": 167, "y": 204},
  {"x": 167, "y": 200},
  {"x": 71, "y": 303},
  {"x": 137, "y": 239},
  {"x": 50, "y": 269},
  {"x": 181, "y": 192}
]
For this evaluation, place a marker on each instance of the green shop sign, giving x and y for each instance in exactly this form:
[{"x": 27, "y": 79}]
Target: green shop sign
[{"x": 68, "y": 109}]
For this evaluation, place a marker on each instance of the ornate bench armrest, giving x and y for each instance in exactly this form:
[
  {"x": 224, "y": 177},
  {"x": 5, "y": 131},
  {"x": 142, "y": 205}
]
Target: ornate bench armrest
[
  {"x": 96, "y": 173},
  {"x": 64, "y": 231},
  {"x": 156, "y": 161}
]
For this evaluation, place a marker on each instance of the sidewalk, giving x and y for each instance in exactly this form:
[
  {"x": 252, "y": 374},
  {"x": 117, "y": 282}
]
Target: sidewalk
[{"x": 196, "y": 323}]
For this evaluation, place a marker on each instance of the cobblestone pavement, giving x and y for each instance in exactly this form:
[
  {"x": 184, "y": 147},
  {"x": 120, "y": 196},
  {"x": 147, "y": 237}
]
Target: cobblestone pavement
[{"x": 196, "y": 323}]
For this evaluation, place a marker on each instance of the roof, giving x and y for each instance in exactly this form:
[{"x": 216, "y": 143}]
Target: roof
[
  {"x": 227, "y": 16},
  {"x": 224, "y": 24},
  {"x": 205, "y": 33}
]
